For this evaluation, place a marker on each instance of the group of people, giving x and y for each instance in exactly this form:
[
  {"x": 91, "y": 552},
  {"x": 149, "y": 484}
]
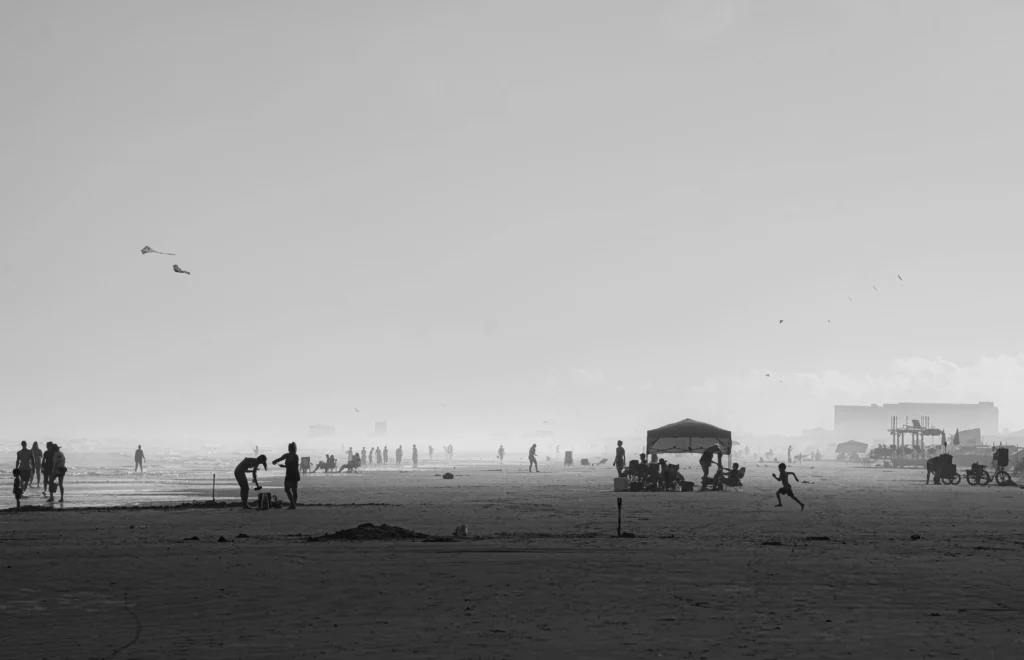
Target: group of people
[
  {"x": 252, "y": 465},
  {"x": 50, "y": 465},
  {"x": 360, "y": 458}
]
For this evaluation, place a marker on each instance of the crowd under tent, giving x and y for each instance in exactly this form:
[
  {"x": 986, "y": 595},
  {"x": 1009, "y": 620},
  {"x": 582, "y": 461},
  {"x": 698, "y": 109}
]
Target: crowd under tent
[{"x": 688, "y": 437}]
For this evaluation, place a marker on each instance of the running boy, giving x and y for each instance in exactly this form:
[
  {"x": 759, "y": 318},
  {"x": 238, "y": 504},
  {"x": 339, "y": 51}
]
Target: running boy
[{"x": 786, "y": 488}]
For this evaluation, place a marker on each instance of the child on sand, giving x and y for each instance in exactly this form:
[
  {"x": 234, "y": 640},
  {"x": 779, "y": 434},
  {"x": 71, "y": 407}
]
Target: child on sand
[
  {"x": 17, "y": 488},
  {"x": 786, "y": 488}
]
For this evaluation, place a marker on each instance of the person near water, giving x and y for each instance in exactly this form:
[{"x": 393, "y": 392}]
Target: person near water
[
  {"x": 380, "y": 461},
  {"x": 139, "y": 459},
  {"x": 37, "y": 461},
  {"x": 706, "y": 460},
  {"x": 501, "y": 454},
  {"x": 620, "y": 458},
  {"x": 786, "y": 488},
  {"x": 430, "y": 450},
  {"x": 789, "y": 453},
  {"x": 25, "y": 465},
  {"x": 17, "y": 488},
  {"x": 398, "y": 455},
  {"x": 291, "y": 473},
  {"x": 47, "y": 467},
  {"x": 241, "y": 476},
  {"x": 533, "y": 458},
  {"x": 59, "y": 470},
  {"x": 362, "y": 457},
  {"x": 385, "y": 454},
  {"x": 415, "y": 457}
]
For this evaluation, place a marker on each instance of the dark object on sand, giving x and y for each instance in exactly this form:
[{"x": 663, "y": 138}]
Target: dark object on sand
[
  {"x": 619, "y": 530},
  {"x": 568, "y": 459},
  {"x": 915, "y": 537},
  {"x": 818, "y": 538},
  {"x": 584, "y": 461},
  {"x": 371, "y": 532},
  {"x": 941, "y": 468},
  {"x": 448, "y": 475},
  {"x": 222, "y": 540},
  {"x": 772, "y": 543},
  {"x": 242, "y": 536}
]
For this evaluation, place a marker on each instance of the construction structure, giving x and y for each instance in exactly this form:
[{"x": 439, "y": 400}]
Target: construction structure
[
  {"x": 872, "y": 423},
  {"x": 916, "y": 452}
]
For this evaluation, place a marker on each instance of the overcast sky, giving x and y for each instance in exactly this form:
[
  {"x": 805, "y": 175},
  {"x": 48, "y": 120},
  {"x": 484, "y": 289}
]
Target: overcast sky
[{"x": 474, "y": 217}]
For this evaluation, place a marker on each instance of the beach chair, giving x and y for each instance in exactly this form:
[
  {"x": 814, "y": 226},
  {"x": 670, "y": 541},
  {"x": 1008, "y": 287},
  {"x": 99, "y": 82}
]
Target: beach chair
[
  {"x": 635, "y": 475},
  {"x": 602, "y": 461},
  {"x": 652, "y": 477},
  {"x": 304, "y": 465},
  {"x": 734, "y": 479},
  {"x": 670, "y": 477}
]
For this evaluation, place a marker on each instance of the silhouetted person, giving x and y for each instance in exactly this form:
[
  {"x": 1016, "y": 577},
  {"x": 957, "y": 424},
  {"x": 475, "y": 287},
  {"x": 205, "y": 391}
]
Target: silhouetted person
[
  {"x": 415, "y": 457},
  {"x": 501, "y": 454},
  {"x": 47, "y": 468},
  {"x": 706, "y": 460},
  {"x": 643, "y": 459},
  {"x": 291, "y": 474},
  {"x": 17, "y": 488},
  {"x": 620, "y": 458},
  {"x": 37, "y": 461},
  {"x": 59, "y": 470},
  {"x": 241, "y": 476},
  {"x": 139, "y": 458},
  {"x": 379, "y": 461},
  {"x": 362, "y": 457},
  {"x": 385, "y": 454},
  {"x": 533, "y": 458},
  {"x": 786, "y": 488},
  {"x": 430, "y": 452},
  {"x": 789, "y": 454},
  {"x": 398, "y": 455},
  {"x": 25, "y": 465}
]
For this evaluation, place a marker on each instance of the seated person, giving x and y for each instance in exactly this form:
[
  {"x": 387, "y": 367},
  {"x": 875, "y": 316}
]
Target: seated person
[
  {"x": 354, "y": 464},
  {"x": 733, "y": 475},
  {"x": 643, "y": 459}
]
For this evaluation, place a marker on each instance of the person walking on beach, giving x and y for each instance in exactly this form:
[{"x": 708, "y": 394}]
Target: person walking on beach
[
  {"x": 385, "y": 454},
  {"x": 241, "y": 476},
  {"x": 620, "y": 458},
  {"x": 59, "y": 470},
  {"x": 533, "y": 458},
  {"x": 37, "y": 461},
  {"x": 25, "y": 465},
  {"x": 415, "y": 457},
  {"x": 47, "y": 468},
  {"x": 291, "y": 473},
  {"x": 139, "y": 459},
  {"x": 786, "y": 488},
  {"x": 501, "y": 454}
]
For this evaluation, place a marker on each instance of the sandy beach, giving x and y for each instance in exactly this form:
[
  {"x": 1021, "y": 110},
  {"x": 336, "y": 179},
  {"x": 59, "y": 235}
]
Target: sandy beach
[{"x": 879, "y": 565}]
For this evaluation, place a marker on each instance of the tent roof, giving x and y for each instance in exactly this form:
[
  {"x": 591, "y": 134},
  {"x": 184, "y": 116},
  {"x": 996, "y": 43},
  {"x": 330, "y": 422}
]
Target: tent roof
[
  {"x": 851, "y": 446},
  {"x": 688, "y": 436}
]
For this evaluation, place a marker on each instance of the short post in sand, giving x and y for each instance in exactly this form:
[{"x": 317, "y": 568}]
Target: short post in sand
[
  {"x": 620, "y": 517},
  {"x": 214, "y": 494}
]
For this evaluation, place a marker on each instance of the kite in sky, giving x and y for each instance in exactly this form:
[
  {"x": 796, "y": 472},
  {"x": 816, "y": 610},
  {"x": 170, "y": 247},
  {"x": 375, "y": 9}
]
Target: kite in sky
[
  {"x": 178, "y": 270},
  {"x": 147, "y": 250}
]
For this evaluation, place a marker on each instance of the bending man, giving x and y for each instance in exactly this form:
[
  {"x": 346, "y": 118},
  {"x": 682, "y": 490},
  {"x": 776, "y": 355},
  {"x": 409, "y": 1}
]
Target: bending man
[{"x": 241, "y": 475}]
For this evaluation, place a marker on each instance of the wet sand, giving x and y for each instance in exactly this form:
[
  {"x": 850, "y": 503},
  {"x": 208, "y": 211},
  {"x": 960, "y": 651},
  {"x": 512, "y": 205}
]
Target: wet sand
[{"x": 710, "y": 575}]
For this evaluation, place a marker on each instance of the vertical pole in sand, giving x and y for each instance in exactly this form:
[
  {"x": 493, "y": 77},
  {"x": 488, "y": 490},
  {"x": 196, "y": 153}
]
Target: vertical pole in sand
[
  {"x": 214, "y": 494},
  {"x": 619, "y": 531}
]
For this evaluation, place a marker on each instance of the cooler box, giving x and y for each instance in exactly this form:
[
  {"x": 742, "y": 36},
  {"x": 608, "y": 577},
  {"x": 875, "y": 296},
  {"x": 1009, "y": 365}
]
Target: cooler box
[
  {"x": 621, "y": 484},
  {"x": 687, "y": 486}
]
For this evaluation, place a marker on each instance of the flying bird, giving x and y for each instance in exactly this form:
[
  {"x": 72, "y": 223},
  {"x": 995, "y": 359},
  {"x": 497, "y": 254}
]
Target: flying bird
[
  {"x": 899, "y": 276},
  {"x": 849, "y": 298},
  {"x": 179, "y": 270},
  {"x": 780, "y": 321},
  {"x": 875, "y": 288},
  {"x": 147, "y": 250},
  {"x": 356, "y": 409}
]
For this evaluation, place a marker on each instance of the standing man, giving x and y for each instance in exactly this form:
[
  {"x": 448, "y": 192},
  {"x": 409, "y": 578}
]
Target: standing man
[
  {"x": 398, "y": 456},
  {"x": 620, "y": 458},
  {"x": 139, "y": 459},
  {"x": 533, "y": 458},
  {"x": 37, "y": 460},
  {"x": 363, "y": 456},
  {"x": 291, "y": 474},
  {"x": 26, "y": 465},
  {"x": 501, "y": 454},
  {"x": 706, "y": 460},
  {"x": 430, "y": 450},
  {"x": 385, "y": 454},
  {"x": 415, "y": 457}
]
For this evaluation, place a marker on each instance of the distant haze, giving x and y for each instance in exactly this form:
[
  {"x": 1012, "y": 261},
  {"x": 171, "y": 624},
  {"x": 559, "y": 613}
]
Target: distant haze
[{"x": 472, "y": 218}]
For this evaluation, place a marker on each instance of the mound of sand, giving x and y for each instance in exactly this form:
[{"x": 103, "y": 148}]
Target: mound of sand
[{"x": 371, "y": 532}]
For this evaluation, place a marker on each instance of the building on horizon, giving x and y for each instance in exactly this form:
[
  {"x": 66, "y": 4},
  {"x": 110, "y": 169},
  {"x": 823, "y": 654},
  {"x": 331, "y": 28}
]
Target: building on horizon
[
  {"x": 320, "y": 431},
  {"x": 871, "y": 423}
]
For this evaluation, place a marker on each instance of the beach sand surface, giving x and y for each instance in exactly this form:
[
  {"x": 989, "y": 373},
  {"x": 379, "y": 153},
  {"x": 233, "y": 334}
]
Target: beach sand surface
[{"x": 907, "y": 570}]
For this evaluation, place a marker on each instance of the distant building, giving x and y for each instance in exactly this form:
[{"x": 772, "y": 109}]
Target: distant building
[
  {"x": 969, "y": 437},
  {"x": 318, "y": 431},
  {"x": 871, "y": 423}
]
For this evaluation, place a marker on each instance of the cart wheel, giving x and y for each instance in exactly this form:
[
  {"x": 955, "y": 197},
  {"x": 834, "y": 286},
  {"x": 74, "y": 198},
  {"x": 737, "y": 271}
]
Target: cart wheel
[
  {"x": 947, "y": 480},
  {"x": 985, "y": 478},
  {"x": 1002, "y": 477},
  {"x": 972, "y": 478},
  {"x": 955, "y": 478}
]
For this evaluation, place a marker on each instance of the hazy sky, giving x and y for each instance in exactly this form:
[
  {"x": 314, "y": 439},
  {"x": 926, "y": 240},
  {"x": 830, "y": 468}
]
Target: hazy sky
[{"x": 472, "y": 217}]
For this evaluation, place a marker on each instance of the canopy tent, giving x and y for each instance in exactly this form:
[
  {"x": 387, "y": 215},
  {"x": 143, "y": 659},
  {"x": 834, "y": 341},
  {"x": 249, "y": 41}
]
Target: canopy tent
[
  {"x": 688, "y": 436},
  {"x": 851, "y": 447}
]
